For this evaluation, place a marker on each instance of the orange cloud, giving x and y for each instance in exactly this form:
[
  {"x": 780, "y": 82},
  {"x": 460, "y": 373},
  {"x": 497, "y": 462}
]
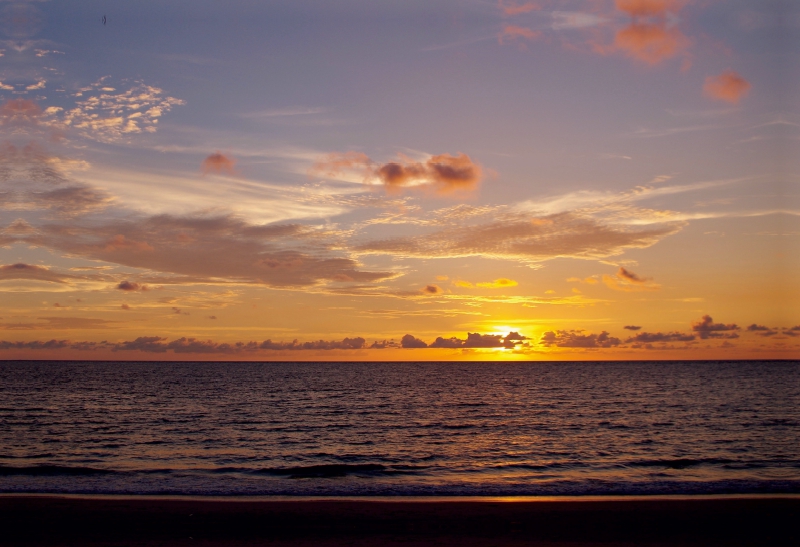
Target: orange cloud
[
  {"x": 728, "y": 86},
  {"x": 219, "y": 163},
  {"x": 648, "y": 8},
  {"x": 444, "y": 173},
  {"x": 337, "y": 162},
  {"x": 650, "y": 43},
  {"x": 512, "y": 8},
  {"x": 498, "y": 284},
  {"x": 513, "y": 32}
]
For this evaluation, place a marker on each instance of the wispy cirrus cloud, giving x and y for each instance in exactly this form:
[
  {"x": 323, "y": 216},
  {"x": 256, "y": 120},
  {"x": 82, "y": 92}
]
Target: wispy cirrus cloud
[
  {"x": 214, "y": 248},
  {"x": 525, "y": 238},
  {"x": 510, "y": 8}
]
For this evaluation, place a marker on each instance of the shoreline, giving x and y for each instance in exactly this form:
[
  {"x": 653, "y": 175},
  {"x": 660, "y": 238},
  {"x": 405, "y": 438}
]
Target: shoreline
[
  {"x": 405, "y": 499},
  {"x": 40, "y": 520}
]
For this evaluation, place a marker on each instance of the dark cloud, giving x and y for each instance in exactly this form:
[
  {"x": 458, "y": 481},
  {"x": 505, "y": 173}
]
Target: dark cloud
[
  {"x": 444, "y": 173},
  {"x": 432, "y": 289},
  {"x": 761, "y": 330},
  {"x": 131, "y": 286},
  {"x": 347, "y": 343},
  {"x": 576, "y": 339},
  {"x": 650, "y": 337},
  {"x": 706, "y": 328},
  {"x": 50, "y": 344},
  {"x": 630, "y": 276},
  {"x": 632, "y": 327},
  {"x": 477, "y": 340},
  {"x": 149, "y": 344},
  {"x": 385, "y": 344},
  {"x": 409, "y": 341}
]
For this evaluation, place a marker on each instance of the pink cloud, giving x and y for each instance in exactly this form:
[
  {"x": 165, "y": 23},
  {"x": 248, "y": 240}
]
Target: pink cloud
[
  {"x": 510, "y": 8},
  {"x": 728, "y": 86},
  {"x": 444, "y": 173},
  {"x": 219, "y": 163}
]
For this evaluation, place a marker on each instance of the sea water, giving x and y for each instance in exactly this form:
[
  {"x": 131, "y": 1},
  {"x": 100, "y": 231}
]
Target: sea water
[{"x": 342, "y": 429}]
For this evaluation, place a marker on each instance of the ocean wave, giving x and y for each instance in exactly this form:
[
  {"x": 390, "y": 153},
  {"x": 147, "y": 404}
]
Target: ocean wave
[{"x": 51, "y": 471}]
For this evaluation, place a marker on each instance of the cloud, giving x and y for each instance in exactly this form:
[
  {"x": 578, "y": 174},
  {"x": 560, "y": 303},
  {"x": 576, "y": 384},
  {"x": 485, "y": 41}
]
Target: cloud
[
  {"x": 761, "y": 330},
  {"x": 627, "y": 281},
  {"x": 650, "y": 43},
  {"x": 525, "y": 238},
  {"x": 575, "y": 339},
  {"x": 120, "y": 243},
  {"x": 591, "y": 280},
  {"x": 35, "y": 345},
  {"x": 630, "y": 276},
  {"x": 443, "y": 174},
  {"x": 575, "y": 20},
  {"x": 131, "y": 286},
  {"x": 409, "y": 341},
  {"x": 212, "y": 249},
  {"x": 794, "y": 331},
  {"x": 651, "y": 36},
  {"x": 728, "y": 86},
  {"x": 32, "y": 272},
  {"x": 706, "y": 328},
  {"x": 61, "y": 323},
  {"x": 650, "y": 337},
  {"x": 347, "y": 343},
  {"x": 104, "y": 114},
  {"x": 219, "y": 163},
  {"x": 476, "y": 340},
  {"x": 500, "y": 283},
  {"x": 510, "y": 8},
  {"x": 514, "y": 32},
  {"x": 432, "y": 289},
  {"x": 19, "y": 112},
  {"x": 648, "y": 8},
  {"x": 632, "y": 327}
]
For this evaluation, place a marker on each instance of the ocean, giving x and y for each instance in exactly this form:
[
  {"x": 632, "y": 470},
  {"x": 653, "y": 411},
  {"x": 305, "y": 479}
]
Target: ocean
[{"x": 400, "y": 429}]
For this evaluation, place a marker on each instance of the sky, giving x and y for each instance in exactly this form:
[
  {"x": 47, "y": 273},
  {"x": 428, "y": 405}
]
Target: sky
[{"x": 393, "y": 180}]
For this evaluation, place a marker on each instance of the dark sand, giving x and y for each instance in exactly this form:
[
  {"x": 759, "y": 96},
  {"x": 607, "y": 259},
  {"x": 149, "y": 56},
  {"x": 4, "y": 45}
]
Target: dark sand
[{"x": 52, "y": 520}]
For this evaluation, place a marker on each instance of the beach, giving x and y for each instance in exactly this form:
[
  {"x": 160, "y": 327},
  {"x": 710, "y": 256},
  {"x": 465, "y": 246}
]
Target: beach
[{"x": 151, "y": 520}]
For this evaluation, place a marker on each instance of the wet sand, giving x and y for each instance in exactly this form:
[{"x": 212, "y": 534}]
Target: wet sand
[{"x": 112, "y": 521}]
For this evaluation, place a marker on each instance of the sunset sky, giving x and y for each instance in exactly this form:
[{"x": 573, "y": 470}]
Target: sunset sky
[{"x": 395, "y": 180}]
